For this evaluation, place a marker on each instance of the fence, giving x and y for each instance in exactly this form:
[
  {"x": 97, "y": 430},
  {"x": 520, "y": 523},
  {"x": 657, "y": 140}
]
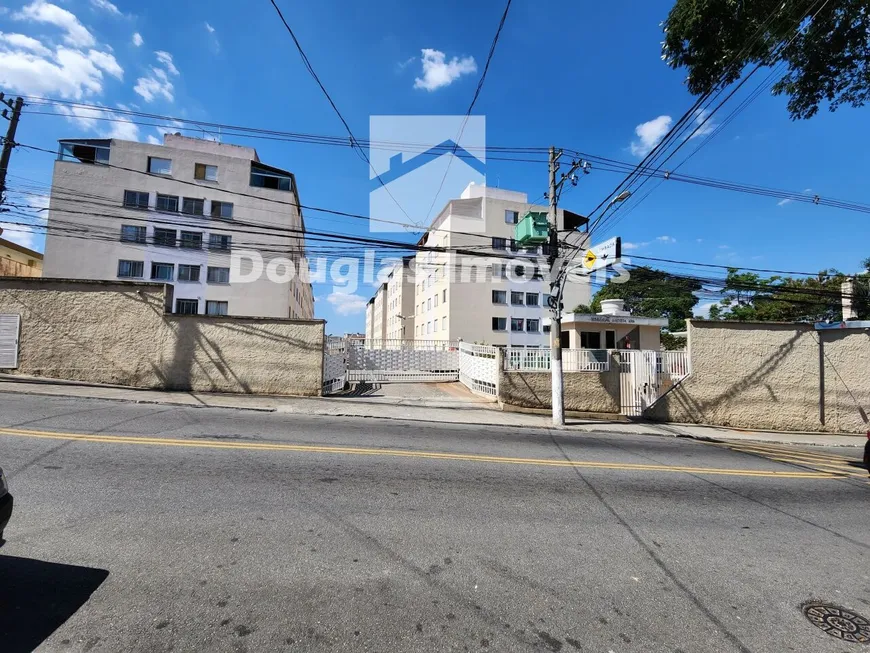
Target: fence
[
  {"x": 573, "y": 360},
  {"x": 478, "y": 368},
  {"x": 334, "y": 371},
  {"x": 645, "y": 375},
  {"x": 403, "y": 345},
  {"x": 401, "y": 360}
]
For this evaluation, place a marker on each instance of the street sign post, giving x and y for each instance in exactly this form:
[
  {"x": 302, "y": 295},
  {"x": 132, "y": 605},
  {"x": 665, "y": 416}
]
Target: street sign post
[{"x": 600, "y": 256}]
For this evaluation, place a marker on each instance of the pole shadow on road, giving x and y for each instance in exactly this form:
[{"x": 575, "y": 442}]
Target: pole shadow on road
[{"x": 37, "y": 597}]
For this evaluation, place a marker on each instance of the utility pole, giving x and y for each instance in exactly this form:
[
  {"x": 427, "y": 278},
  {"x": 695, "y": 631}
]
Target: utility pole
[
  {"x": 9, "y": 141},
  {"x": 557, "y": 378}
]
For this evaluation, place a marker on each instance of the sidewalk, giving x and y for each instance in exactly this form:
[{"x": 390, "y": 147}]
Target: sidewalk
[{"x": 427, "y": 407}]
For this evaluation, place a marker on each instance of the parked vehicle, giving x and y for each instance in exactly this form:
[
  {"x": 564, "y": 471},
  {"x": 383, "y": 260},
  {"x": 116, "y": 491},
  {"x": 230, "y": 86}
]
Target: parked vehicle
[
  {"x": 5, "y": 503},
  {"x": 867, "y": 452}
]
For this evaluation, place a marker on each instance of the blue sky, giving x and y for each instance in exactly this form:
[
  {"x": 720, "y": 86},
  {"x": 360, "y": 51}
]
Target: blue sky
[{"x": 587, "y": 78}]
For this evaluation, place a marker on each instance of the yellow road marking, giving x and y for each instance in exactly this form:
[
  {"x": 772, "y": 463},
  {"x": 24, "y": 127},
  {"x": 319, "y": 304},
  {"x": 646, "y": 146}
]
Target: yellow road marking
[
  {"x": 783, "y": 450},
  {"x": 810, "y": 460},
  {"x": 220, "y": 444}
]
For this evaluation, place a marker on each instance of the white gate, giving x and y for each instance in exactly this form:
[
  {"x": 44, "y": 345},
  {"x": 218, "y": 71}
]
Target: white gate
[
  {"x": 10, "y": 325},
  {"x": 383, "y": 361},
  {"x": 478, "y": 368},
  {"x": 645, "y": 375},
  {"x": 334, "y": 372}
]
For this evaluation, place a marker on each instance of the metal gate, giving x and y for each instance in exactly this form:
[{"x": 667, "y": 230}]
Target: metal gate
[
  {"x": 10, "y": 325},
  {"x": 645, "y": 375}
]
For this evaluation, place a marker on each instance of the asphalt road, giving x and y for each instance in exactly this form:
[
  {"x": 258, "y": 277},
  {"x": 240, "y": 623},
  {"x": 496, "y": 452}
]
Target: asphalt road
[{"x": 192, "y": 529}]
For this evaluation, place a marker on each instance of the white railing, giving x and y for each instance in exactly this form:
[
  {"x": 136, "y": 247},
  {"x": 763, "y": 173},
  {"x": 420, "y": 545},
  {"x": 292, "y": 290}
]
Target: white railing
[
  {"x": 674, "y": 364},
  {"x": 478, "y": 368},
  {"x": 404, "y": 345},
  {"x": 573, "y": 360},
  {"x": 402, "y": 364},
  {"x": 334, "y": 373}
]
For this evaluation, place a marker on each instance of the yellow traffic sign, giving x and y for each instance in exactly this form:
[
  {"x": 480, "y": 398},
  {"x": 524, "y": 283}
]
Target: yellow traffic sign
[{"x": 589, "y": 259}]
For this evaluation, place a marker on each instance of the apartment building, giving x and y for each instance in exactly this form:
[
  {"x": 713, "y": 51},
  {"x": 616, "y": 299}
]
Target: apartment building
[
  {"x": 17, "y": 260},
  {"x": 175, "y": 213},
  {"x": 379, "y": 314},
  {"x": 400, "y": 301},
  {"x": 497, "y": 296}
]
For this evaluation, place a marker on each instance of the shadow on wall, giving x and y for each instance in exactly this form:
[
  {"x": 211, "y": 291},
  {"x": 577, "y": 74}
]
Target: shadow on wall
[
  {"x": 37, "y": 597},
  {"x": 764, "y": 369}
]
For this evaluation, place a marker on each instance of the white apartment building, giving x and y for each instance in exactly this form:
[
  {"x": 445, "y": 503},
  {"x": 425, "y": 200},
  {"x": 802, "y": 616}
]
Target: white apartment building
[
  {"x": 379, "y": 314},
  {"x": 174, "y": 213},
  {"x": 497, "y": 296},
  {"x": 400, "y": 301}
]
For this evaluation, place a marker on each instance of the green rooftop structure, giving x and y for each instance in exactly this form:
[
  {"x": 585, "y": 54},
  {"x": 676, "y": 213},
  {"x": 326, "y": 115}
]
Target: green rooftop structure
[{"x": 533, "y": 229}]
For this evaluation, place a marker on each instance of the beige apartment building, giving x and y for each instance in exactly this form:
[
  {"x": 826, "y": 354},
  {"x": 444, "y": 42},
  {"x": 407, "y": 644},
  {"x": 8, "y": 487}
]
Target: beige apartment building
[
  {"x": 379, "y": 314},
  {"x": 400, "y": 301},
  {"x": 175, "y": 213},
  {"x": 492, "y": 292},
  {"x": 18, "y": 261}
]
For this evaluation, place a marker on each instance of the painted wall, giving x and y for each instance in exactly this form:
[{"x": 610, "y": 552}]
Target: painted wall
[
  {"x": 596, "y": 392},
  {"x": 767, "y": 376},
  {"x": 116, "y": 332}
]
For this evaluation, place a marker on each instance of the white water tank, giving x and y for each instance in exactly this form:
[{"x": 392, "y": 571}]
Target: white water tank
[{"x": 613, "y": 307}]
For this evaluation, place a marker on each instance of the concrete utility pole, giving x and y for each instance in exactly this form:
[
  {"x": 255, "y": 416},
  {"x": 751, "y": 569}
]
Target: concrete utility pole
[
  {"x": 9, "y": 141},
  {"x": 557, "y": 379}
]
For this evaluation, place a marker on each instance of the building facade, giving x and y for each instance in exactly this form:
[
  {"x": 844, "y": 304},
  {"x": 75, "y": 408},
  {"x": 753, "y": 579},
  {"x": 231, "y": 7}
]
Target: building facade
[
  {"x": 18, "y": 261},
  {"x": 492, "y": 291},
  {"x": 175, "y": 213},
  {"x": 400, "y": 301},
  {"x": 379, "y": 314}
]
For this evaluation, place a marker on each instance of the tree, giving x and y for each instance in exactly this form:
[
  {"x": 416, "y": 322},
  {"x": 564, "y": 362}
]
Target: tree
[
  {"x": 653, "y": 293},
  {"x": 748, "y": 297},
  {"x": 827, "y": 56},
  {"x": 583, "y": 309}
]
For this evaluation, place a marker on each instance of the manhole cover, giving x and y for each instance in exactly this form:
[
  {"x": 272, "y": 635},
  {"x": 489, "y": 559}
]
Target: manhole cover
[{"x": 838, "y": 622}]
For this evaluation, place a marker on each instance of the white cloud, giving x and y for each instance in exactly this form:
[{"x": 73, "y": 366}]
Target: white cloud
[
  {"x": 106, "y": 6},
  {"x": 106, "y": 62},
  {"x": 103, "y": 123},
  {"x": 407, "y": 62},
  {"x": 784, "y": 202},
  {"x": 137, "y": 39},
  {"x": 666, "y": 239},
  {"x": 724, "y": 246},
  {"x": 25, "y": 43},
  {"x": 166, "y": 59},
  {"x": 703, "y": 310},
  {"x": 699, "y": 240},
  {"x": 629, "y": 247},
  {"x": 650, "y": 133},
  {"x": 153, "y": 140},
  {"x": 437, "y": 72},
  {"x": 40, "y": 11},
  {"x": 347, "y": 303},
  {"x": 808, "y": 190},
  {"x": 69, "y": 73},
  {"x": 23, "y": 235},
  {"x": 171, "y": 128},
  {"x": 703, "y": 128},
  {"x": 209, "y": 28}
]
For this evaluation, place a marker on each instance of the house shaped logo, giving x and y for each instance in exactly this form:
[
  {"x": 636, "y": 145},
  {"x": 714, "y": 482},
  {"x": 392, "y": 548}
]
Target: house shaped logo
[{"x": 419, "y": 163}]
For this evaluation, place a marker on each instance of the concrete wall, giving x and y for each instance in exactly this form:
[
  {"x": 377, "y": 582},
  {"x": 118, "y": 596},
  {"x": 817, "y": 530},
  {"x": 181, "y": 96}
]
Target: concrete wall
[
  {"x": 767, "y": 376},
  {"x": 115, "y": 332},
  {"x": 596, "y": 392}
]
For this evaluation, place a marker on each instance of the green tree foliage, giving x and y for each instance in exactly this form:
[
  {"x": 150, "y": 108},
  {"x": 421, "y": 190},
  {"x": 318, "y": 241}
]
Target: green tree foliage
[
  {"x": 827, "y": 59},
  {"x": 653, "y": 293},
  {"x": 749, "y": 297},
  {"x": 583, "y": 309}
]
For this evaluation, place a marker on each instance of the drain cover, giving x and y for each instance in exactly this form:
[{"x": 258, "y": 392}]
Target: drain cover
[{"x": 838, "y": 622}]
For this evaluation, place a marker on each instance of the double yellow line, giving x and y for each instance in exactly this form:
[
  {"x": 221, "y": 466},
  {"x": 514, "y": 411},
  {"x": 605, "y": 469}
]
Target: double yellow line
[
  {"x": 833, "y": 463},
  {"x": 431, "y": 455}
]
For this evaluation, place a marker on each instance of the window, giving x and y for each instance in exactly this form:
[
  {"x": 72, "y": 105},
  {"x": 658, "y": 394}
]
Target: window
[
  {"x": 514, "y": 247},
  {"x": 546, "y": 301},
  {"x": 499, "y": 297},
  {"x": 167, "y": 203},
  {"x": 499, "y": 324},
  {"x": 216, "y": 308},
  {"x": 263, "y": 176},
  {"x": 590, "y": 339},
  {"x": 205, "y": 172},
  {"x": 135, "y": 199},
  {"x": 610, "y": 339},
  {"x": 192, "y": 206},
  {"x": 164, "y": 237},
  {"x": 444, "y": 296},
  {"x": 533, "y": 326},
  {"x": 85, "y": 152},
  {"x": 218, "y": 275},
  {"x": 132, "y": 234},
  {"x": 435, "y": 325},
  {"x": 186, "y": 306},
  {"x": 131, "y": 269},
  {"x": 546, "y": 328},
  {"x": 159, "y": 166},
  {"x": 531, "y": 299},
  {"x": 517, "y": 298},
  {"x": 188, "y": 273},
  {"x": 162, "y": 271},
  {"x": 444, "y": 323},
  {"x": 517, "y": 324},
  {"x": 428, "y": 327},
  {"x": 221, "y": 209},
  {"x": 531, "y": 249},
  {"x": 436, "y": 301},
  {"x": 537, "y": 274},
  {"x": 498, "y": 243},
  {"x": 219, "y": 242},
  {"x": 429, "y": 304},
  {"x": 545, "y": 249},
  {"x": 424, "y": 285},
  {"x": 511, "y": 217},
  {"x": 191, "y": 240}
]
